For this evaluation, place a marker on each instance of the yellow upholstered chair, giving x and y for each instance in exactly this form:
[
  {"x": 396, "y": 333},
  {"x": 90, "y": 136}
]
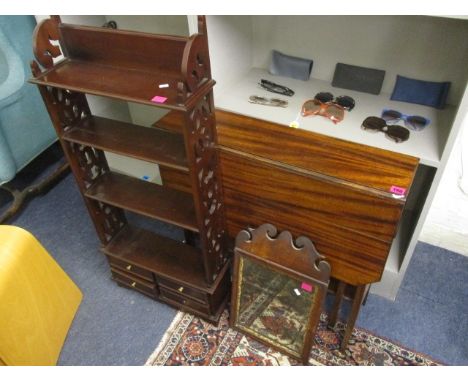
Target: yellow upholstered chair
[{"x": 37, "y": 301}]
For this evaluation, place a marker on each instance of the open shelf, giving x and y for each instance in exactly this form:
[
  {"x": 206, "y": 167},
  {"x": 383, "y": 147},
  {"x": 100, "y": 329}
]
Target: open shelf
[
  {"x": 148, "y": 144},
  {"x": 172, "y": 121},
  {"x": 158, "y": 254},
  {"x": 128, "y": 65},
  {"x": 115, "y": 82},
  {"x": 426, "y": 144},
  {"x": 145, "y": 198}
]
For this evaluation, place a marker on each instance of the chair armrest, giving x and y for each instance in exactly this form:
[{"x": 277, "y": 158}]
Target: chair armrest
[{"x": 10, "y": 88}]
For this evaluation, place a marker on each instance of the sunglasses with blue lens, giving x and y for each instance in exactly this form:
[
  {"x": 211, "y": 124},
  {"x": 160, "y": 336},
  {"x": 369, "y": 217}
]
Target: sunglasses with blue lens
[{"x": 414, "y": 122}]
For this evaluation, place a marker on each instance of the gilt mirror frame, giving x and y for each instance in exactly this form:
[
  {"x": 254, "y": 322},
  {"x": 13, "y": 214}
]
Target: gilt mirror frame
[{"x": 296, "y": 260}]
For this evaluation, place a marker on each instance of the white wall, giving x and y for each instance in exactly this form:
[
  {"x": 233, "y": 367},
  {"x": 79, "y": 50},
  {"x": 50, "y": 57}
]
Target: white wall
[
  {"x": 168, "y": 24},
  {"x": 232, "y": 34},
  {"x": 446, "y": 224}
]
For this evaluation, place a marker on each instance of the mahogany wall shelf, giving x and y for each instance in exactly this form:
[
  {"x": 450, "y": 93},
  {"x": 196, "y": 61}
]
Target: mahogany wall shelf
[{"x": 130, "y": 66}]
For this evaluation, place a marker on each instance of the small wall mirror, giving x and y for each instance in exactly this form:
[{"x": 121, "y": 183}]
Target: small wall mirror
[{"x": 278, "y": 290}]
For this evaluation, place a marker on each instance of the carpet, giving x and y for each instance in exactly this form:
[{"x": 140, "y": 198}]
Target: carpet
[{"x": 190, "y": 341}]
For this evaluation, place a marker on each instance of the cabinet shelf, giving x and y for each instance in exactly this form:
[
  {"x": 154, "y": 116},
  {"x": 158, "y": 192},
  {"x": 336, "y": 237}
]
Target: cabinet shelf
[
  {"x": 145, "y": 198},
  {"x": 158, "y": 254},
  {"x": 426, "y": 144},
  {"x": 148, "y": 144}
]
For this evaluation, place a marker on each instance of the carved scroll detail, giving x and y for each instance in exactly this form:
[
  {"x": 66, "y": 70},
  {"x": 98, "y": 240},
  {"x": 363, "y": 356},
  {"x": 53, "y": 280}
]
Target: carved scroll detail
[
  {"x": 196, "y": 67},
  {"x": 281, "y": 248},
  {"x": 207, "y": 185},
  {"x": 45, "y": 41}
]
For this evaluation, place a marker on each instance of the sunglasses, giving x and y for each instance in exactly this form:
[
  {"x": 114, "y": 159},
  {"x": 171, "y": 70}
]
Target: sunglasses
[
  {"x": 331, "y": 111},
  {"x": 276, "y": 88},
  {"x": 345, "y": 102},
  {"x": 268, "y": 101},
  {"x": 394, "y": 132},
  {"x": 414, "y": 122}
]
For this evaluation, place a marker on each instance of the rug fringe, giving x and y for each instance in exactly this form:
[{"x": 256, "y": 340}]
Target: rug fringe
[{"x": 179, "y": 316}]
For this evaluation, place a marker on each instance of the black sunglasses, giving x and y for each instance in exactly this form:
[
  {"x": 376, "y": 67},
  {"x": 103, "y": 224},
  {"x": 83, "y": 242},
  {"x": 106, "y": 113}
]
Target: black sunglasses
[
  {"x": 394, "y": 132},
  {"x": 276, "y": 88},
  {"x": 346, "y": 102}
]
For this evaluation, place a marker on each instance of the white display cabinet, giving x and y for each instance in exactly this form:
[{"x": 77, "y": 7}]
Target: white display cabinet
[{"x": 421, "y": 47}]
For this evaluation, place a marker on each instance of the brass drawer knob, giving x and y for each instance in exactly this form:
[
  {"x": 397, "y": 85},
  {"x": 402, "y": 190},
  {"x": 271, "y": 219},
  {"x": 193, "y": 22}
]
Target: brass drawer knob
[
  {"x": 181, "y": 289},
  {"x": 129, "y": 267},
  {"x": 133, "y": 284}
]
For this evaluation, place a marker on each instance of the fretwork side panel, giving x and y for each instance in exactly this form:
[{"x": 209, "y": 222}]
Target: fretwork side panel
[
  {"x": 67, "y": 108},
  {"x": 200, "y": 134}
]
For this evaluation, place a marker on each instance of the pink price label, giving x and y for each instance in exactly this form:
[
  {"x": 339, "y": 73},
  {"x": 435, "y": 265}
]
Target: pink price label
[
  {"x": 159, "y": 99},
  {"x": 306, "y": 287},
  {"x": 398, "y": 190}
]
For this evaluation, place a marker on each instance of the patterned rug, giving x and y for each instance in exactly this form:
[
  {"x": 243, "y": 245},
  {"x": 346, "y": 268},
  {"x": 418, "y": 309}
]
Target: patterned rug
[{"x": 192, "y": 341}]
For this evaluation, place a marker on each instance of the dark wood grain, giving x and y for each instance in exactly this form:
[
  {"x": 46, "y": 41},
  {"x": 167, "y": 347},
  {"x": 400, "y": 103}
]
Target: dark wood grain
[
  {"x": 149, "y": 144},
  {"x": 129, "y": 49},
  {"x": 172, "y": 121},
  {"x": 176, "y": 179},
  {"x": 330, "y": 203},
  {"x": 160, "y": 255},
  {"x": 145, "y": 198},
  {"x": 355, "y": 308},
  {"x": 356, "y": 163},
  {"x": 115, "y": 82},
  {"x": 126, "y": 65},
  {"x": 354, "y": 258},
  {"x": 134, "y": 282},
  {"x": 130, "y": 66}
]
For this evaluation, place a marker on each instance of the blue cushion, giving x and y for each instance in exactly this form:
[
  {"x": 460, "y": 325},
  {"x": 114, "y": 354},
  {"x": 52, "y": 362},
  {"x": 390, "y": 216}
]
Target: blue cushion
[{"x": 421, "y": 92}]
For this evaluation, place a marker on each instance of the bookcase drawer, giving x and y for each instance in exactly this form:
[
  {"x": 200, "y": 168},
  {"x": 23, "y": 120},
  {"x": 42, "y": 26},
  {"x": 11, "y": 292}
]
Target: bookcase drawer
[
  {"x": 134, "y": 282},
  {"x": 169, "y": 295},
  {"x": 130, "y": 268},
  {"x": 183, "y": 290}
]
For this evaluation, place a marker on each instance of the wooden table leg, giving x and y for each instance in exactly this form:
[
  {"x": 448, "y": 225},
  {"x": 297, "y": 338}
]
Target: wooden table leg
[
  {"x": 357, "y": 301},
  {"x": 336, "y": 304},
  {"x": 21, "y": 197}
]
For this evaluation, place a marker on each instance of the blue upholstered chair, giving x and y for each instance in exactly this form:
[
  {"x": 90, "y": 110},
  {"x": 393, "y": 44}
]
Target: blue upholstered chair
[{"x": 25, "y": 127}]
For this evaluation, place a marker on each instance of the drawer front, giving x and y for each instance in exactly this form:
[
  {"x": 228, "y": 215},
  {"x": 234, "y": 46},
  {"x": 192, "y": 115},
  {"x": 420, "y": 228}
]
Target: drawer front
[
  {"x": 183, "y": 290},
  {"x": 169, "y": 295},
  {"x": 356, "y": 163},
  {"x": 130, "y": 268},
  {"x": 134, "y": 282},
  {"x": 310, "y": 198}
]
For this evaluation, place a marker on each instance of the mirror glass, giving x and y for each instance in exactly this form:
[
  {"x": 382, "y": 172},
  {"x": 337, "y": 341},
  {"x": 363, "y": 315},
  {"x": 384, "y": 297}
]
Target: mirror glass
[{"x": 273, "y": 305}]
